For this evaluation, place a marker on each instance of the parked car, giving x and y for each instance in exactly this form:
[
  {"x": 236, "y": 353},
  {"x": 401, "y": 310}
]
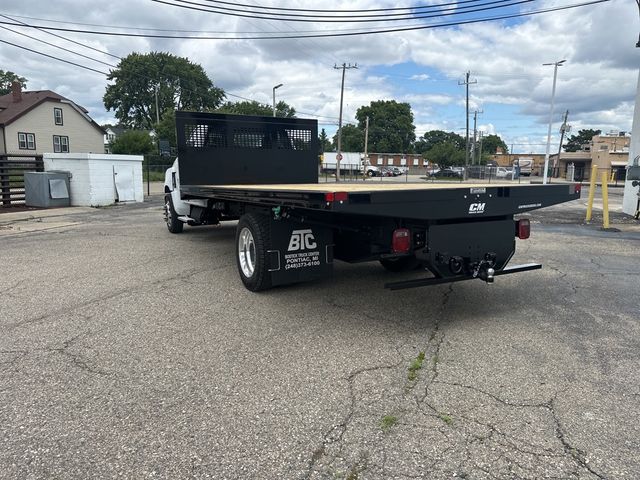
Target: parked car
[
  {"x": 387, "y": 172},
  {"x": 447, "y": 173},
  {"x": 503, "y": 172},
  {"x": 371, "y": 171}
]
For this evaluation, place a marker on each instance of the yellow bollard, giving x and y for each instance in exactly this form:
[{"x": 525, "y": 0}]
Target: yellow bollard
[
  {"x": 605, "y": 201},
  {"x": 592, "y": 191}
]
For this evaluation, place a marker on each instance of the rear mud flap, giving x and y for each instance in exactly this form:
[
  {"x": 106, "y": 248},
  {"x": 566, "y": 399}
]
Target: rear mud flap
[{"x": 299, "y": 252}]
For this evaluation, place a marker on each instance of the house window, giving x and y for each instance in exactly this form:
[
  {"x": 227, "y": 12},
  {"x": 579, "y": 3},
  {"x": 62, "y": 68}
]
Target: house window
[
  {"x": 416, "y": 162},
  {"x": 390, "y": 161},
  {"x": 60, "y": 144},
  {"x": 379, "y": 161},
  {"x": 57, "y": 116},
  {"x": 26, "y": 141}
]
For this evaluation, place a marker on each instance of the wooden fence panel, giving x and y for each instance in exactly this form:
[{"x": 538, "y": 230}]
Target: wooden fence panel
[{"x": 12, "y": 170}]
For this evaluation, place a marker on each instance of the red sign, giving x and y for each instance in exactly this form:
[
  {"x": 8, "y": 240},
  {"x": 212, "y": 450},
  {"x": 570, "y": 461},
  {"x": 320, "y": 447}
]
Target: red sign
[{"x": 339, "y": 157}]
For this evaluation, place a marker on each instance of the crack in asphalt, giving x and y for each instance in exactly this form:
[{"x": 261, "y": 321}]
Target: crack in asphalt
[
  {"x": 77, "y": 359},
  {"x": 578, "y": 455},
  {"x": 336, "y": 432},
  {"x": 460, "y": 435},
  {"x": 65, "y": 310}
]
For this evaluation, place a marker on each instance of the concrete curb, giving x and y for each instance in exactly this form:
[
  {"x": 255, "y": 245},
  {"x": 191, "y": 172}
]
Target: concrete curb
[{"x": 11, "y": 217}]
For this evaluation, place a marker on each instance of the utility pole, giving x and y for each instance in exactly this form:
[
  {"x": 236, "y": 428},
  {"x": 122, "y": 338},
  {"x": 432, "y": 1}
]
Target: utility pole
[
  {"x": 466, "y": 156},
  {"x": 339, "y": 153},
  {"x": 366, "y": 144},
  {"x": 157, "y": 111},
  {"x": 553, "y": 95},
  {"x": 480, "y": 155},
  {"x": 475, "y": 132},
  {"x": 564, "y": 128}
]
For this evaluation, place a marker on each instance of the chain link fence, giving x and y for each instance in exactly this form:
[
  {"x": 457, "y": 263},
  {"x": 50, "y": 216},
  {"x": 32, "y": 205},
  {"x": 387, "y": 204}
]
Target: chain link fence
[{"x": 153, "y": 169}]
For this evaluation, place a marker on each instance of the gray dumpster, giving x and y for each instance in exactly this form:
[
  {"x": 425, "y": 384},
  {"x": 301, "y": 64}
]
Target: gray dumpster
[{"x": 47, "y": 189}]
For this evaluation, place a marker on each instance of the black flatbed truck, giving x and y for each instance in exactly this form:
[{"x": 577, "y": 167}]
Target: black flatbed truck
[{"x": 263, "y": 172}]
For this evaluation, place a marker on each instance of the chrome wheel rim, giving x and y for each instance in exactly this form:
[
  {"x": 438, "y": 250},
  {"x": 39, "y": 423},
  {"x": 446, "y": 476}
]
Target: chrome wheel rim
[
  {"x": 246, "y": 252},
  {"x": 167, "y": 211}
]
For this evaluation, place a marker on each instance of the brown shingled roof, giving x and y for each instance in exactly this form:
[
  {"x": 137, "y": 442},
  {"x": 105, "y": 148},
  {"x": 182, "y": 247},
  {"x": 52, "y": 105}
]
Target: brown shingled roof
[{"x": 10, "y": 110}]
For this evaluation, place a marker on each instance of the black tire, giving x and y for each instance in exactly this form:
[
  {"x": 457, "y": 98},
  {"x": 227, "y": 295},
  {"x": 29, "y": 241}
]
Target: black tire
[
  {"x": 256, "y": 278},
  {"x": 171, "y": 216},
  {"x": 400, "y": 264},
  {"x": 371, "y": 173}
]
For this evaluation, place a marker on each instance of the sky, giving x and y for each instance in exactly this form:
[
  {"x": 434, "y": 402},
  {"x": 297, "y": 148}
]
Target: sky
[{"x": 509, "y": 86}]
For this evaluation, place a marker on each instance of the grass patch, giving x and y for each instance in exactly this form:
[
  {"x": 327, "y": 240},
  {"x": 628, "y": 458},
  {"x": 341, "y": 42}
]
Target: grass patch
[
  {"x": 415, "y": 366},
  {"x": 388, "y": 421},
  {"x": 153, "y": 176},
  {"x": 446, "y": 418}
]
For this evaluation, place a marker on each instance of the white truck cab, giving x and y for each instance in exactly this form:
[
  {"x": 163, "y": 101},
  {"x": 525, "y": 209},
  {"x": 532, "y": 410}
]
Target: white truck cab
[{"x": 177, "y": 211}]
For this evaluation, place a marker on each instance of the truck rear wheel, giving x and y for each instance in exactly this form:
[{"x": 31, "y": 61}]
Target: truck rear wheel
[
  {"x": 252, "y": 240},
  {"x": 171, "y": 216},
  {"x": 400, "y": 264}
]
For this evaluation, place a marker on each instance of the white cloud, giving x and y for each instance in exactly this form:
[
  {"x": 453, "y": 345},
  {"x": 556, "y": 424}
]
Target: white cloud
[{"x": 597, "y": 84}]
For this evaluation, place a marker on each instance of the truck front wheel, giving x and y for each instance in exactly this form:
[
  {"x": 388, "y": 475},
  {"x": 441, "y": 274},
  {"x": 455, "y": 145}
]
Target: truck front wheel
[
  {"x": 252, "y": 240},
  {"x": 171, "y": 216}
]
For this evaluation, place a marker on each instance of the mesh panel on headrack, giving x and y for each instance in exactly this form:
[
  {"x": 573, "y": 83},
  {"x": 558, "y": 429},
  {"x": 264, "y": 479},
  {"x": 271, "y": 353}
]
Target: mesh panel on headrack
[
  {"x": 300, "y": 138},
  {"x": 249, "y": 138},
  {"x": 201, "y": 136}
]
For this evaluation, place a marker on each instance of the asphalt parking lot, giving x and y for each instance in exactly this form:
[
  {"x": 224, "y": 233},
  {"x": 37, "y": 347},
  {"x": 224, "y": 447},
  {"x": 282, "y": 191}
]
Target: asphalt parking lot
[{"x": 128, "y": 352}]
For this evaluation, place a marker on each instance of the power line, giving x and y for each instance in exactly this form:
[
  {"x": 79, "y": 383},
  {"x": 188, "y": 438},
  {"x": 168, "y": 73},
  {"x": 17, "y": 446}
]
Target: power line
[
  {"x": 318, "y": 35},
  {"x": 417, "y": 7},
  {"x": 190, "y": 5},
  {"x": 52, "y": 57},
  {"x": 387, "y": 17},
  {"x": 57, "y": 46},
  {"x": 142, "y": 76}
]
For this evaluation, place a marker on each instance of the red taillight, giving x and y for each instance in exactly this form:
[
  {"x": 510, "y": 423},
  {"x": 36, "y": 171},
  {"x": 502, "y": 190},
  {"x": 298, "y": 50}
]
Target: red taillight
[
  {"x": 523, "y": 228},
  {"x": 341, "y": 196},
  {"x": 578, "y": 188},
  {"x": 336, "y": 196},
  {"x": 401, "y": 241}
]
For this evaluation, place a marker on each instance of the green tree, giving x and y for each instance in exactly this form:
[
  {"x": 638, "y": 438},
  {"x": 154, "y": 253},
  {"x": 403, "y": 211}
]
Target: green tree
[
  {"x": 180, "y": 85},
  {"x": 352, "y": 138},
  {"x": 166, "y": 129},
  {"x": 577, "y": 142},
  {"x": 256, "y": 108},
  {"x": 133, "y": 142},
  {"x": 7, "y": 78},
  {"x": 445, "y": 155},
  {"x": 435, "y": 137},
  {"x": 490, "y": 144},
  {"x": 325, "y": 143},
  {"x": 391, "y": 128}
]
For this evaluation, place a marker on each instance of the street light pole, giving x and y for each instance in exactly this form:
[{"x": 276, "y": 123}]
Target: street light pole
[
  {"x": 274, "y": 98},
  {"x": 553, "y": 94}
]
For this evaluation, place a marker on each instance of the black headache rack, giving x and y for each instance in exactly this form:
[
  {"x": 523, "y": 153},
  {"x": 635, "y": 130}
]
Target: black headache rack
[{"x": 224, "y": 149}]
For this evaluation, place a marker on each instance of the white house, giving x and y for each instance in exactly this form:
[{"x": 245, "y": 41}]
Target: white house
[{"x": 42, "y": 121}]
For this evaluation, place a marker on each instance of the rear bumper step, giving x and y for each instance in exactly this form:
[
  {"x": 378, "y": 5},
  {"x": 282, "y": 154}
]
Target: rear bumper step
[{"x": 425, "y": 282}]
